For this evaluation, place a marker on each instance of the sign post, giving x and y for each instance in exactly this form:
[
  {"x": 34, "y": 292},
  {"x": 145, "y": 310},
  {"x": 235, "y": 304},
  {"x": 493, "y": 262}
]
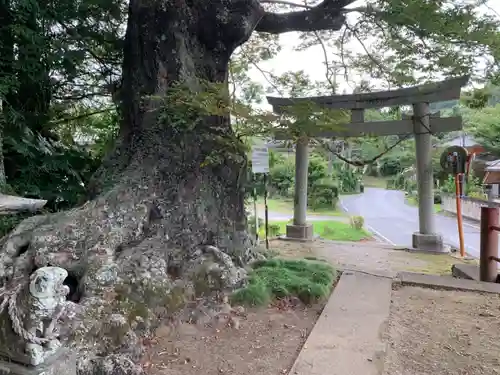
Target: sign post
[
  {"x": 256, "y": 216},
  {"x": 260, "y": 164}
]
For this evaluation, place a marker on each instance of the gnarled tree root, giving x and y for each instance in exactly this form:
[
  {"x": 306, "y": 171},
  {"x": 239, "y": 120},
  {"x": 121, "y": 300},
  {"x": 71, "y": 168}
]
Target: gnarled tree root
[{"x": 134, "y": 258}]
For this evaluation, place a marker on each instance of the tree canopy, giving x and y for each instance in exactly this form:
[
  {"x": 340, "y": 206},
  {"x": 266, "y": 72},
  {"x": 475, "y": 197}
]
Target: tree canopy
[
  {"x": 137, "y": 115},
  {"x": 61, "y": 68},
  {"x": 70, "y": 57}
]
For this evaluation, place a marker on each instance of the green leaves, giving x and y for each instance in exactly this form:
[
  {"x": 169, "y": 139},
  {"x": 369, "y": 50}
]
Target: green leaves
[
  {"x": 60, "y": 58},
  {"x": 449, "y": 35},
  {"x": 402, "y": 42},
  {"x": 40, "y": 168},
  {"x": 484, "y": 125},
  {"x": 308, "y": 119}
]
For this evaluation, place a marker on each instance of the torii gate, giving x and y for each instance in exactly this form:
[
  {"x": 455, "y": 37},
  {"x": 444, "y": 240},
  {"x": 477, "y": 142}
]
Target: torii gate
[{"x": 421, "y": 124}]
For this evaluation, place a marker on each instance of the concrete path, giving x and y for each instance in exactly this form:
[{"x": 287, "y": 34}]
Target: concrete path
[
  {"x": 388, "y": 216},
  {"x": 356, "y": 331},
  {"x": 347, "y": 338}
]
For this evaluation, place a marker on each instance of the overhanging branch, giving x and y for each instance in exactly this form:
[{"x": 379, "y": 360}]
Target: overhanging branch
[
  {"x": 328, "y": 15},
  {"x": 10, "y": 204},
  {"x": 360, "y": 163},
  {"x": 284, "y": 2}
]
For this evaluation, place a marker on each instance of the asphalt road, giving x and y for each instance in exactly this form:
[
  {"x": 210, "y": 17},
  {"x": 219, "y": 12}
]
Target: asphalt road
[{"x": 389, "y": 217}]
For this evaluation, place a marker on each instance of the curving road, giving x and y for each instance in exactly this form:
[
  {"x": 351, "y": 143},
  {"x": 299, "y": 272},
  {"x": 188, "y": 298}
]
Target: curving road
[{"x": 389, "y": 217}]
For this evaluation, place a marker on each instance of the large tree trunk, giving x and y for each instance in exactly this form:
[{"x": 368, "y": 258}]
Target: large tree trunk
[
  {"x": 160, "y": 193},
  {"x": 177, "y": 186},
  {"x": 191, "y": 172},
  {"x": 169, "y": 205},
  {"x": 168, "y": 209}
]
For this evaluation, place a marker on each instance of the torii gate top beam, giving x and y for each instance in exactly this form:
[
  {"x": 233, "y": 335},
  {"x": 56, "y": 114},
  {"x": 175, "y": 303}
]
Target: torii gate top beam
[{"x": 428, "y": 93}]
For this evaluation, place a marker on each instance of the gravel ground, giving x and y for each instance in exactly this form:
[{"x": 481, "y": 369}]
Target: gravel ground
[
  {"x": 369, "y": 256},
  {"x": 266, "y": 342},
  {"x": 435, "y": 332},
  {"x": 429, "y": 332},
  {"x": 366, "y": 256}
]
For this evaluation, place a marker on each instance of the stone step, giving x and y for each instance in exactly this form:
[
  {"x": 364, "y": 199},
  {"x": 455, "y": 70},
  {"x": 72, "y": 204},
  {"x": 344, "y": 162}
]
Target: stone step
[{"x": 63, "y": 363}]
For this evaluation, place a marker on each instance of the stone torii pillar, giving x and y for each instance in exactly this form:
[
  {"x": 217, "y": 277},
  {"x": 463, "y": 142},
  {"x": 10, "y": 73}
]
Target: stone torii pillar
[
  {"x": 300, "y": 229},
  {"x": 426, "y": 238}
]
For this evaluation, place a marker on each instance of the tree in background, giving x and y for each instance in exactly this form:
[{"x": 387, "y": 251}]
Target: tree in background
[
  {"x": 59, "y": 62},
  {"x": 484, "y": 125}
]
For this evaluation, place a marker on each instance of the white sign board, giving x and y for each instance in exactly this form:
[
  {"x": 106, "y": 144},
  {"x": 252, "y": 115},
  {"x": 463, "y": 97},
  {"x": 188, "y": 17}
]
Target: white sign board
[{"x": 260, "y": 160}]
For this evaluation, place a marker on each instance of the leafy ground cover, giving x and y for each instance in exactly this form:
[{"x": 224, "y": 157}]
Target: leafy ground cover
[{"x": 310, "y": 281}]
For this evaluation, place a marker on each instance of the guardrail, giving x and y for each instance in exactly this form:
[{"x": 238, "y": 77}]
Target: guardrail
[
  {"x": 488, "y": 259},
  {"x": 471, "y": 207}
]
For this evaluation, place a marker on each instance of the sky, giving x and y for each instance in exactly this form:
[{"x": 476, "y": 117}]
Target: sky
[{"x": 312, "y": 60}]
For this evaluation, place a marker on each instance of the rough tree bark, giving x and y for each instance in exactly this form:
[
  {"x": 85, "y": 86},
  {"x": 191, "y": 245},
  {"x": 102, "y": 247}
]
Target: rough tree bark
[{"x": 159, "y": 212}]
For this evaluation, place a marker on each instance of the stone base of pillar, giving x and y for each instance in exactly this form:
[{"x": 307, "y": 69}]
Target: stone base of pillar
[
  {"x": 62, "y": 363},
  {"x": 299, "y": 232},
  {"x": 429, "y": 242}
]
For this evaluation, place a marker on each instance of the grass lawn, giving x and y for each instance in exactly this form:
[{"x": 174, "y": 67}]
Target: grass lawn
[
  {"x": 285, "y": 206},
  {"x": 435, "y": 264},
  {"x": 412, "y": 201},
  {"x": 329, "y": 230}
]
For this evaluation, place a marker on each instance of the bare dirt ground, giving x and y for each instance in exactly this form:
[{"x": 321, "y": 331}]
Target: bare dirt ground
[
  {"x": 443, "y": 332},
  {"x": 367, "y": 256},
  {"x": 266, "y": 341}
]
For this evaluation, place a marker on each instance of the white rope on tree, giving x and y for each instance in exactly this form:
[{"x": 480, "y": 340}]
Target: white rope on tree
[
  {"x": 10, "y": 301},
  {"x": 17, "y": 324}
]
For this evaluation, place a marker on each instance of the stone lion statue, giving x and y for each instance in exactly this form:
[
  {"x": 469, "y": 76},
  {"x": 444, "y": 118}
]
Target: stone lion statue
[{"x": 43, "y": 306}]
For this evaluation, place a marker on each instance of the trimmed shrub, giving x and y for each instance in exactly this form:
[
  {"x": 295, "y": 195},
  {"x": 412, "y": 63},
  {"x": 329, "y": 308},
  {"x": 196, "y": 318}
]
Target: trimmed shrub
[
  {"x": 357, "y": 222},
  {"x": 274, "y": 230},
  {"x": 323, "y": 194},
  {"x": 437, "y": 198}
]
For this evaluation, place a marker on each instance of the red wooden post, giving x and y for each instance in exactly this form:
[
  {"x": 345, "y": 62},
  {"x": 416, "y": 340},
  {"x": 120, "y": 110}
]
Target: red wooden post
[{"x": 488, "y": 270}]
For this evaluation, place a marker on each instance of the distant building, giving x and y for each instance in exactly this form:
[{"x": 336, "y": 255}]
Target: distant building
[
  {"x": 439, "y": 106},
  {"x": 481, "y": 158},
  {"x": 465, "y": 140},
  {"x": 280, "y": 146},
  {"x": 492, "y": 176},
  {"x": 494, "y": 98}
]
